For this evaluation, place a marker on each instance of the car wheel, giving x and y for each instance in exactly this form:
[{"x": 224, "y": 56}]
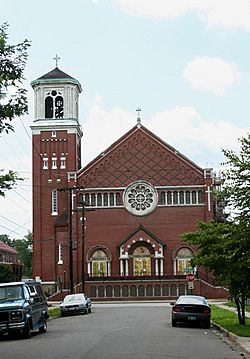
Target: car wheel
[
  {"x": 27, "y": 330},
  {"x": 44, "y": 327},
  {"x": 173, "y": 323}
]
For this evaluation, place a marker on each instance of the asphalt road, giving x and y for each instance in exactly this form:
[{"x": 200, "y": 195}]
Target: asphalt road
[{"x": 119, "y": 332}]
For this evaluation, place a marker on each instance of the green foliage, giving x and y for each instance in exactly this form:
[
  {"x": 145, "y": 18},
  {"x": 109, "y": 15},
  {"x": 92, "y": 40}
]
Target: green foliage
[
  {"x": 24, "y": 248},
  {"x": 228, "y": 320},
  {"x": 6, "y": 273},
  {"x": 6, "y": 239},
  {"x": 222, "y": 248},
  {"x": 7, "y": 181},
  {"x": 12, "y": 63},
  {"x": 54, "y": 312},
  {"x": 237, "y": 186}
]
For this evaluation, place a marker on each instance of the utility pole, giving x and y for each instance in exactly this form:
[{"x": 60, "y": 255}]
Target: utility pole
[
  {"x": 83, "y": 210},
  {"x": 71, "y": 269}
]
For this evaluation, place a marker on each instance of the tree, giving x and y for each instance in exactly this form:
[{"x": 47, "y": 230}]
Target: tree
[
  {"x": 6, "y": 273},
  {"x": 222, "y": 249},
  {"x": 24, "y": 248},
  {"x": 12, "y": 63},
  {"x": 6, "y": 239},
  {"x": 237, "y": 181}
]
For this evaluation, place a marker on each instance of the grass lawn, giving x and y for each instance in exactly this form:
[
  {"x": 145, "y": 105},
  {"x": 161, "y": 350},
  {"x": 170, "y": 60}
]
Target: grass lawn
[
  {"x": 229, "y": 320},
  {"x": 54, "y": 312}
]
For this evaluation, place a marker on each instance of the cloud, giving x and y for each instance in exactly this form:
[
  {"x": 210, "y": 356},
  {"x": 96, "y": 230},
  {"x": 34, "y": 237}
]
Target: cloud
[
  {"x": 223, "y": 13},
  {"x": 181, "y": 127},
  {"x": 211, "y": 74}
]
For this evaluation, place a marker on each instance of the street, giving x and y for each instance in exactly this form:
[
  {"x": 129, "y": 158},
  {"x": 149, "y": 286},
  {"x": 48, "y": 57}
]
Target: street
[{"x": 120, "y": 331}]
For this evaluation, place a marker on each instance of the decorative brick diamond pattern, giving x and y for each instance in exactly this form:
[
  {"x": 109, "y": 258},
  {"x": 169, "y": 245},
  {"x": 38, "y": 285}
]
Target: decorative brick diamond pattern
[{"x": 141, "y": 159}]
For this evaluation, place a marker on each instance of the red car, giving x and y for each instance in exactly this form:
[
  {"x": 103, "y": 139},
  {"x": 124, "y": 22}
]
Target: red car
[{"x": 191, "y": 309}]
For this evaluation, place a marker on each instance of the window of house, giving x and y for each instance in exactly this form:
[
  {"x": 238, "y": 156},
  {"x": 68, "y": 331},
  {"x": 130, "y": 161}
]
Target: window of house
[
  {"x": 183, "y": 260},
  {"x": 141, "y": 261},
  {"x": 112, "y": 199},
  {"x": 99, "y": 199},
  {"x": 54, "y": 163},
  {"x": 45, "y": 163},
  {"x": 54, "y": 202},
  {"x": 99, "y": 263},
  {"x": 54, "y": 105},
  {"x": 63, "y": 163}
]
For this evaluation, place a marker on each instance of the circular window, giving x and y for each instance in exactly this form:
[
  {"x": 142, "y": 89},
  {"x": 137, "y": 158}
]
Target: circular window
[{"x": 140, "y": 198}]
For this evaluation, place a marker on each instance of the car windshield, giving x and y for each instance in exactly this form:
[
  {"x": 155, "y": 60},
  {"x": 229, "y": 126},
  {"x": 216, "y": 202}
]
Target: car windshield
[
  {"x": 11, "y": 293},
  {"x": 73, "y": 298},
  {"x": 191, "y": 300}
]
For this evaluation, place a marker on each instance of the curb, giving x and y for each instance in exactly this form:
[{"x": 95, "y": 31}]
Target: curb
[{"x": 232, "y": 337}]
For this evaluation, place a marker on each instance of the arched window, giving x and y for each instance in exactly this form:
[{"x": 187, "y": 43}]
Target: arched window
[
  {"x": 183, "y": 259},
  {"x": 193, "y": 197},
  {"x": 181, "y": 197},
  {"x": 105, "y": 199},
  {"x": 99, "y": 261},
  {"x": 58, "y": 107},
  {"x": 200, "y": 197},
  {"x": 93, "y": 200},
  {"x": 141, "y": 261},
  {"x": 54, "y": 105},
  {"x": 118, "y": 199},
  {"x": 175, "y": 197},
  {"x": 169, "y": 198},
  {"x": 163, "y": 198},
  {"x": 99, "y": 199},
  {"x": 49, "y": 107},
  {"x": 112, "y": 199}
]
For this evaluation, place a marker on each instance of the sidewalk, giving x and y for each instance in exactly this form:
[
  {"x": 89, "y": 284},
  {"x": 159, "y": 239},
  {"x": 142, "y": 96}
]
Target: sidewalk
[{"x": 242, "y": 342}]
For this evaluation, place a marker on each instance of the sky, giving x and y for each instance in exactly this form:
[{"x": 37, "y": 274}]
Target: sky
[{"x": 185, "y": 63}]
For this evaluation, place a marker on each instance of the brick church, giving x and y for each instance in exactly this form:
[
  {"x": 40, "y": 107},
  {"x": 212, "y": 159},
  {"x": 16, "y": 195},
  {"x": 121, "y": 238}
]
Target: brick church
[{"x": 112, "y": 228}]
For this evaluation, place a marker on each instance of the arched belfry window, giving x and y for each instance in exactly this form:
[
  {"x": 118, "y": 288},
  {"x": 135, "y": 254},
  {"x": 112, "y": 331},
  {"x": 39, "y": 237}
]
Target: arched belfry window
[
  {"x": 54, "y": 105},
  {"x": 49, "y": 107}
]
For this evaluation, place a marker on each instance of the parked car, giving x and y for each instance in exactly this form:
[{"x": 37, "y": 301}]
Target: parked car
[
  {"x": 23, "y": 308},
  {"x": 191, "y": 309},
  {"x": 75, "y": 303}
]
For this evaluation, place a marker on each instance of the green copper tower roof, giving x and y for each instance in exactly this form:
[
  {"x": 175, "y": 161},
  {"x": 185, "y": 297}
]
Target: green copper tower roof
[{"x": 56, "y": 75}]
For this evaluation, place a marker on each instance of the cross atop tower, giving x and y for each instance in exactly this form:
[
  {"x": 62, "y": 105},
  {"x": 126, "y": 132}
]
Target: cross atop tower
[
  {"x": 56, "y": 58},
  {"x": 138, "y": 117}
]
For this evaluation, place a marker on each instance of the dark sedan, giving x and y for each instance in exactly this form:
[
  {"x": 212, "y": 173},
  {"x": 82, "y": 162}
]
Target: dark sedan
[
  {"x": 191, "y": 309},
  {"x": 75, "y": 303}
]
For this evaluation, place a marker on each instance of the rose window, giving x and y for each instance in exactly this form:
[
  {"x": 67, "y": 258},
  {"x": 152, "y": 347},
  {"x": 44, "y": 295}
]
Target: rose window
[{"x": 140, "y": 198}]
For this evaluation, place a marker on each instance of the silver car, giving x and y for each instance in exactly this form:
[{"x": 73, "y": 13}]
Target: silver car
[{"x": 75, "y": 303}]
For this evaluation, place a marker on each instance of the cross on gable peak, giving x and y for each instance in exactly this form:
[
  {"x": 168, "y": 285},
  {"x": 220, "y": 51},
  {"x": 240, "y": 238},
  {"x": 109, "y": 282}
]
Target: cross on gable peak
[{"x": 138, "y": 117}]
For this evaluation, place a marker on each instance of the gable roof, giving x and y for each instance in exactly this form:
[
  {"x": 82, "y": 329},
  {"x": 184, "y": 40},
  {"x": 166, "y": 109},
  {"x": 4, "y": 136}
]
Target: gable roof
[
  {"x": 145, "y": 230},
  {"x": 4, "y": 247},
  {"x": 136, "y": 155}
]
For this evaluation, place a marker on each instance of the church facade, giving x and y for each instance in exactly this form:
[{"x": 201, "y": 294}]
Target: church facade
[{"x": 112, "y": 228}]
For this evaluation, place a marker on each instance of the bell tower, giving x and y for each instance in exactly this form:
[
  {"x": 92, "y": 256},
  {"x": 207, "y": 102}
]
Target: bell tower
[{"x": 56, "y": 158}]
